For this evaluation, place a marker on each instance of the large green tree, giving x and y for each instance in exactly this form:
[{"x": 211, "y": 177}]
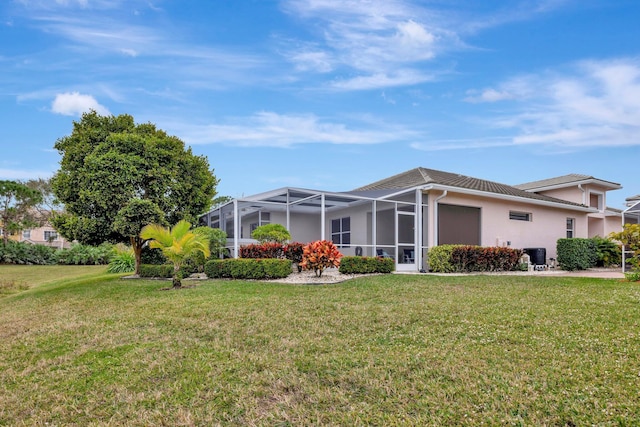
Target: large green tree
[
  {"x": 17, "y": 208},
  {"x": 109, "y": 161}
]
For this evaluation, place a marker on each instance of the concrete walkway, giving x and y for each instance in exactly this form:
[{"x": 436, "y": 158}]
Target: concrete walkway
[{"x": 598, "y": 273}]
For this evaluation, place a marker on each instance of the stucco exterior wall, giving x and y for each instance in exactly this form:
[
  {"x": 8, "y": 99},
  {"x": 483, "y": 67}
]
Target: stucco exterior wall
[
  {"x": 570, "y": 194},
  {"x": 547, "y": 224}
]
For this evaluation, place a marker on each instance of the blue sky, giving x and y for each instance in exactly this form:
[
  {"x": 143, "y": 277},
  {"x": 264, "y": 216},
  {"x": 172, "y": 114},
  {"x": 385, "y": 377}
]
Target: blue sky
[{"x": 334, "y": 94}]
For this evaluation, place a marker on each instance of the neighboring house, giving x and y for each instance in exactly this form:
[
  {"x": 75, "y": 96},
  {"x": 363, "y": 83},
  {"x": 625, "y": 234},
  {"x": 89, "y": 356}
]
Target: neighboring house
[
  {"x": 404, "y": 215},
  {"x": 42, "y": 235}
]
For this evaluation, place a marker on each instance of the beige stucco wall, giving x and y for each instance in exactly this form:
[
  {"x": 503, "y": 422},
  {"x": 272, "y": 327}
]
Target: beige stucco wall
[{"x": 547, "y": 225}]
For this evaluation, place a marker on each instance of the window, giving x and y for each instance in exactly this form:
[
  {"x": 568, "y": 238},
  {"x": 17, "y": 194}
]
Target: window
[
  {"x": 571, "y": 222},
  {"x": 50, "y": 236},
  {"x": 596, "y": 200},
  {"x": 26, "y": 234},
  {"x": 520, "y": 216},
  {"x": 341, "y": 232}
]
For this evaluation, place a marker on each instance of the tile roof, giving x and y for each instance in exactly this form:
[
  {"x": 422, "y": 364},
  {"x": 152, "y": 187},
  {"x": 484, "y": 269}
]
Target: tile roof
[
  {"x": 561, "y": 180},
  {"x": 422, "y": 176}
]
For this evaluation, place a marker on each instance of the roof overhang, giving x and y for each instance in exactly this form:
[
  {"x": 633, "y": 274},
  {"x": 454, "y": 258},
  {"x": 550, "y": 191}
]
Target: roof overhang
[
  {"x": 606, "y": 184},
  {"x": 510, "y": 198}
]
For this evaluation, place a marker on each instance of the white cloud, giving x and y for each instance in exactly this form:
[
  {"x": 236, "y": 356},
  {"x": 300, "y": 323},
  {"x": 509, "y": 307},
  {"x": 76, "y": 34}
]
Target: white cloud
[
  {"x": 382, "y": 80},
  {"x": 269, "y": 129},
  {"x": 462, "y": 144},
  {"x": 593, "y": 103},
  {"x": 373, "y": 38},
  {"x": 74, "y": 104}
]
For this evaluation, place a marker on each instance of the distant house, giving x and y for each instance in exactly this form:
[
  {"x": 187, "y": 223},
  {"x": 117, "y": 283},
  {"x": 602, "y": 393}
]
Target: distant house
[
  {"x": 404, "y": 215},
  {"x": 44, "y": 234}
]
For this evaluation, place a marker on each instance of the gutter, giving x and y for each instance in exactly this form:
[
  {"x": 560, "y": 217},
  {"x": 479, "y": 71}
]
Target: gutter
[{"x": 510, "y": 198}]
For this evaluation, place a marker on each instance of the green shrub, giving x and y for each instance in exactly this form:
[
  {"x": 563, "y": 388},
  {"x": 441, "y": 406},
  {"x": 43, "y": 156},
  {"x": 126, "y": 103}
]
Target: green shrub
[
  {"x": 439, "y": 258},
  {"x": 217, "y": 240},
  {"x": 247, "y": 268},
  {"x": 633, "y": 276},
  {"x": 152, "y": 256},
  {"x": 576, "y": 253},
  {"x": 276, "y": 233},
  {"x": 79, "y": 254},
  {"x": 276, "y": 268},
  {"x": 123, "y": 260},
  {"x": 366, "y": 265},
  {"x": 154, "y": 270},
  {"x": 607, "y": 251},
  {"x": 27, "y": 254}
]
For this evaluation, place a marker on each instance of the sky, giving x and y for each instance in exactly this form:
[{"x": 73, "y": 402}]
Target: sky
[{"x": 334, "y": 94}]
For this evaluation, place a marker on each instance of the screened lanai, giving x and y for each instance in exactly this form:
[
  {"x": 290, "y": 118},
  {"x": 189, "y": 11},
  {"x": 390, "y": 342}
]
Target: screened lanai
[
  {"x": 631, "y": 215},
  {"x": 388, "y": 223}
]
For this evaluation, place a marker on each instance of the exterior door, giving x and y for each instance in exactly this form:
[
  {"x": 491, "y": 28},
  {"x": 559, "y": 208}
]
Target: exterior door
[{"x": 406, "y": 238}]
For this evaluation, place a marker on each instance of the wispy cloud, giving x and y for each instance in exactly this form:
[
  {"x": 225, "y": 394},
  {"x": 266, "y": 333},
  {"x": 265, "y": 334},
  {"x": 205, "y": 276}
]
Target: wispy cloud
[
  {"x": 462, "y": 144},
  {"x": 593, "y": 103},
  {"x": 74, "y": 104},
  {"x": 374, "y": 39},
  {"x": 269, "y": 129}
]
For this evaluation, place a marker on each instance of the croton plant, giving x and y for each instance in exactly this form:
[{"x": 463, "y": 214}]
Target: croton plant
[{"x": 319, "y": 255}]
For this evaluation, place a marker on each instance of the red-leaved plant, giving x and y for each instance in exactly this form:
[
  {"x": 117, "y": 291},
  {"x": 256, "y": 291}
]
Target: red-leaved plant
[{"x": 319, "y": 255}]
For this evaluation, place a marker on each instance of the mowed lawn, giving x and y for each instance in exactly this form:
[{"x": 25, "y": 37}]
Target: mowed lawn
[{"x": 381, "y": 350}]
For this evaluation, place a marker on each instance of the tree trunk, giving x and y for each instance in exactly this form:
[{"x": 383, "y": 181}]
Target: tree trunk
[
  {"x": 136, "y": 244},
  {"x": 177, "y": 282}
]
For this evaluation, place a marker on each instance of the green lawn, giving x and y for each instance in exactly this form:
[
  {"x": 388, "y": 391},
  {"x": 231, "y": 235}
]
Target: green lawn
[{"x": 383, "y": 350}]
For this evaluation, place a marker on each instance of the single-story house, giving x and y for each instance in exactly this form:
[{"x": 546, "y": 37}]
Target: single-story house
[{"x": 404, "y": 215}]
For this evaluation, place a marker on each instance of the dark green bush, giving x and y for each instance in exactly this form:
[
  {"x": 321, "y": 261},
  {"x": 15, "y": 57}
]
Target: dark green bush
[
  {"x": 27, "y": 254},
  {"x": 365, "y": 265},
  {"x": 247, "y": 268},
  {"x": 152, "y": 256},
  {"x": 79, "y": 254},
  {"x": 217, "y": 269},
  {"x": 155, "y": 270},
  {"x": 276, "y": 268},
  {"x": 576, "y": 253},
  {"x": 607, "y": 251}
]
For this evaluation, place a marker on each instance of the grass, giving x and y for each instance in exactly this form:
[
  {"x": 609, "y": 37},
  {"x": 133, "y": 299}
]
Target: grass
[
  {"x": 383, "y": 350},
  {"x": 16, "y": 278}
]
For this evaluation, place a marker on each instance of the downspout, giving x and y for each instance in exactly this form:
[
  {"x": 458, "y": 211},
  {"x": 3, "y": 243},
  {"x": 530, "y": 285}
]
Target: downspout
[
  {"x": 322, "y": 217},
  {"x": 584, "y": 194},
  {"x": 435, "y": 217},
  {"x": 288, "y": 211}
]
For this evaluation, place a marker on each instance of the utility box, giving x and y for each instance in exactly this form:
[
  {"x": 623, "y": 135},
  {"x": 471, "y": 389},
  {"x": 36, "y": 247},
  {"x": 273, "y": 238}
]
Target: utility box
[{"x": 538, "y": 256}]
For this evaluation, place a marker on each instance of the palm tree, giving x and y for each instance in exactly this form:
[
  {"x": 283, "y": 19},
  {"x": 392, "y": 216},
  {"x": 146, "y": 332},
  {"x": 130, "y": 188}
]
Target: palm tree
[{"x": 176, "y": 244}]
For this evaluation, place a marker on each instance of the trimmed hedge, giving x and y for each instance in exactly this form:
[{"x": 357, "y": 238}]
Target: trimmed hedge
[
  {"x": 154, "y": 270},
  {"x": 485, "y": 258},
  {"x": 365, "y": 265},
  {"x": 248, "y": 268},
  {"x": 262, "y": 250},
  {"x": 577, "y": 253},
  {"x": 468, "y": 258},
  {"x": 439, "y": 258}
]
